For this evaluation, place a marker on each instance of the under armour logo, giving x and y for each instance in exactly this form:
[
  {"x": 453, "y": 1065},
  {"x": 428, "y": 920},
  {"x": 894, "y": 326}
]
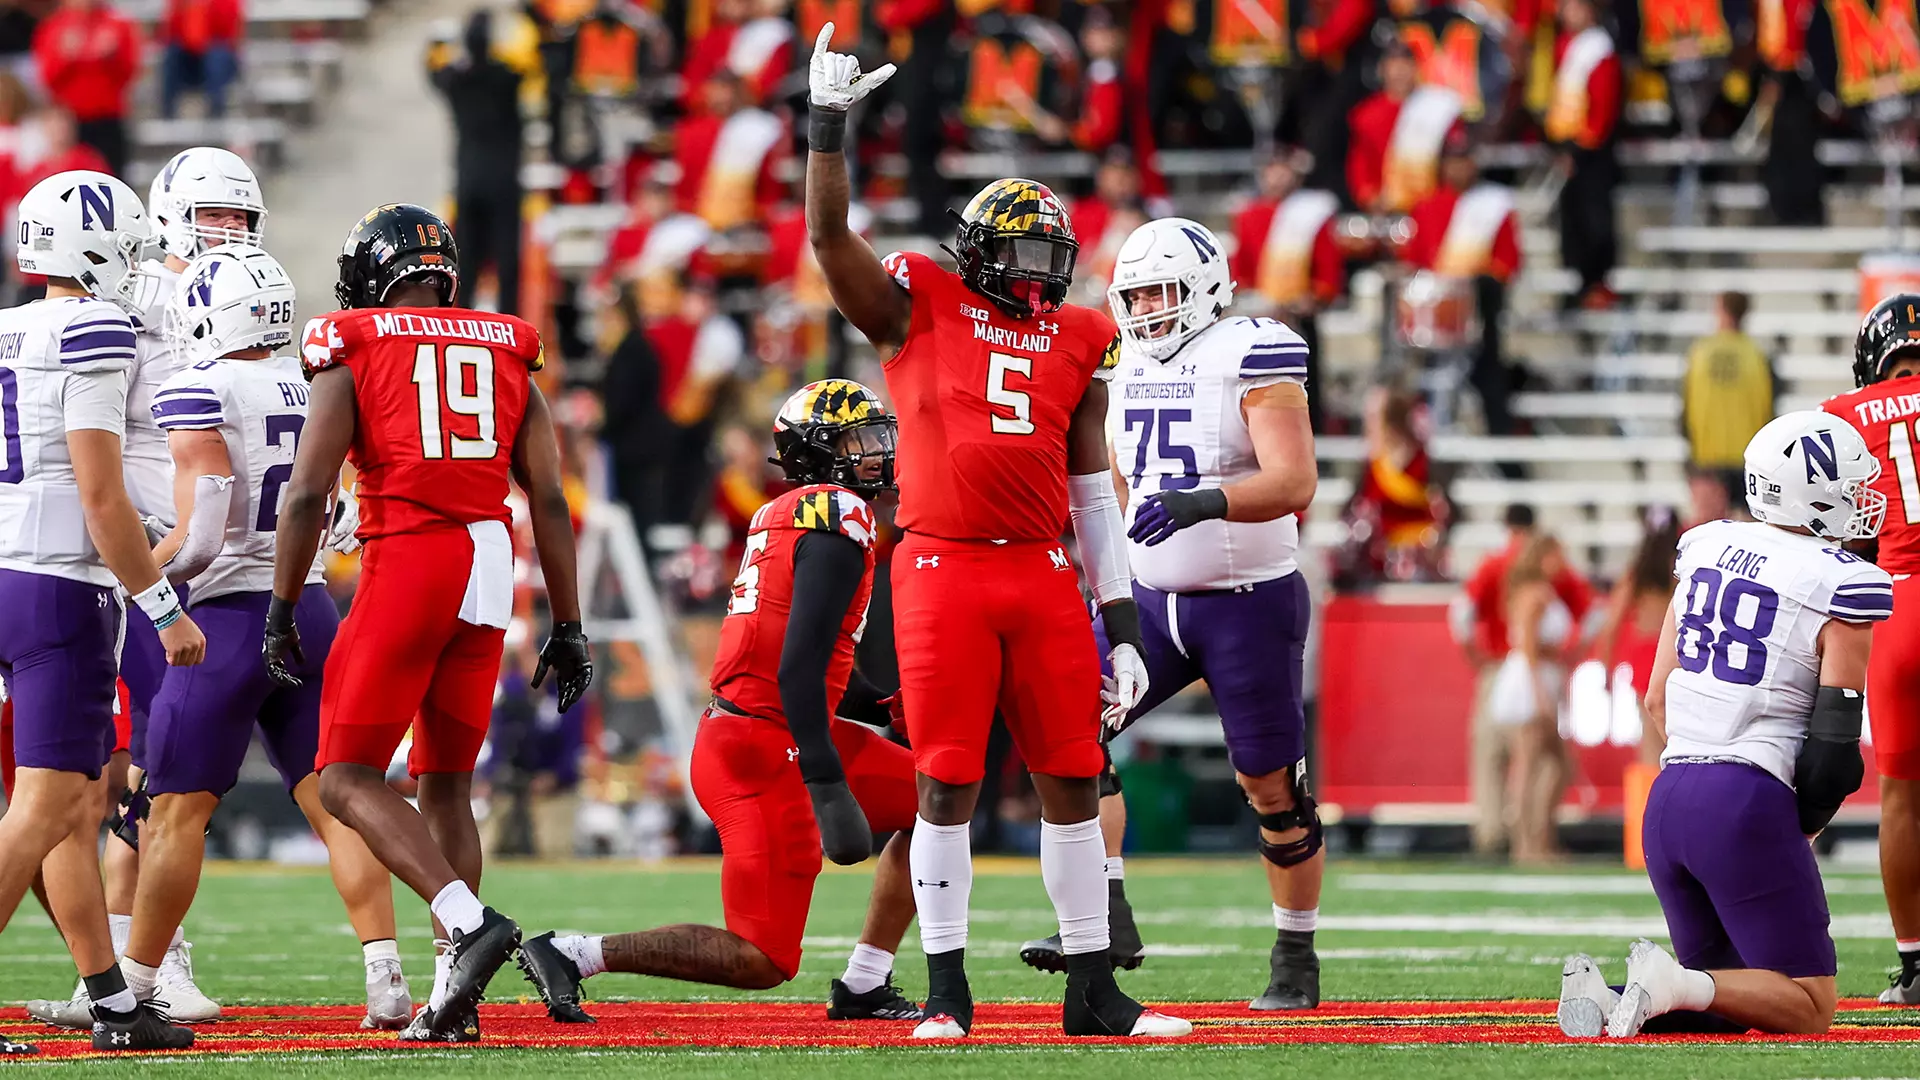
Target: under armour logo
[
  {"x": 1189, "y": 369},
  {"x": 931, "y": 884},
  {"x": 793, "y": 753},
  {"x": 1049, "y": 327},
  {"x": 120, "y": 1038},
  {"x": 1060, "y": 560},
  {"x": 921, "y": 562}
]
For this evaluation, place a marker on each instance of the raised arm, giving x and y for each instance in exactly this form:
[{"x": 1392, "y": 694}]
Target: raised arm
[
  {"x": 861, "y": 287},
  {"x": 536, "y": 468}
]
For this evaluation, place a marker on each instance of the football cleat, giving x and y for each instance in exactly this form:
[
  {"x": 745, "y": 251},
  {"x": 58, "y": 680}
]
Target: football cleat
[
  {"x": 556, "y": 977},
  {"x": 476, "y": 957},
  {"x": 428, "y": 1026},
  {"x": 1585, "y": 999},
  {"x": 949, "y": 1008},
  {"x": 940, "y": 1026},
  {"x": 883, "y": 1002},
  {"x": 389, "y": 998},
  {"x": 1653, "y": 978},
  {"x": 1095, "y": 1005},
  {"x": 1903, "y": 989},
  {"x": 1125, "y": 948},
  {"x": 76, "y": 1012},
  {"x": 142, "y": 1029},
  {"x": 185, "y": 1004},
  {"x": 1294, "y": 980},
  {"x": 10, "y": 1048}
]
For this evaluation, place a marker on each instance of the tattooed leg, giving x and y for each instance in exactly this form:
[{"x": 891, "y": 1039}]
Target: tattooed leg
[{"x": 693, "y": 953}]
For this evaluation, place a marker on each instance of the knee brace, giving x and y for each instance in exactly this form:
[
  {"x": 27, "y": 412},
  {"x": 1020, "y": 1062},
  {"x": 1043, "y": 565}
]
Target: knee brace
[
  {"x": 1303, "y": 815},
  {"x": 1109, "y": 776}
]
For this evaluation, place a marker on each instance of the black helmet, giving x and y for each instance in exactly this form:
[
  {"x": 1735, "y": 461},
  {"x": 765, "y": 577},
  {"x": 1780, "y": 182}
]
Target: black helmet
[
  {"x": 1016, "y": 247},
  {"x": 807, "y": 436},
  {"x": 394, "y": 242},
  {"x": 1892, "y": 325}
]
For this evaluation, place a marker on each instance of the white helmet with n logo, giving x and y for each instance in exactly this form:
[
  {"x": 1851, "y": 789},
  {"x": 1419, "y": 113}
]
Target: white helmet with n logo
[
  {"x": 1811, "y": 470},
  {"x": 87, "y": 227},
  {"x": 204, "y": 177},
  {"x": 234, "y": 298},
  {"x": 1183, "y": 260}
]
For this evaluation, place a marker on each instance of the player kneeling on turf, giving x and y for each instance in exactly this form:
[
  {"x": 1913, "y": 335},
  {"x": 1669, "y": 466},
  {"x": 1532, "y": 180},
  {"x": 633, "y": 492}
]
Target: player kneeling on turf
[
  {"x": 781, "y": 777},
  {"x": 233, "y": 416},
  {"x": 1758, "y": 682}
]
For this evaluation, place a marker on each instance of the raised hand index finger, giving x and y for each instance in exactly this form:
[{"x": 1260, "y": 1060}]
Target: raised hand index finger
[{"x": 826, "y": 38}]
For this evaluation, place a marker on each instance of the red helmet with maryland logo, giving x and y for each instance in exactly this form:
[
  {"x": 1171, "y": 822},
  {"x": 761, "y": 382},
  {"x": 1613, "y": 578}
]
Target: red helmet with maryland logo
[
  {"x": 1015, "y": 246},
  {"x": 835, "y": 431}
]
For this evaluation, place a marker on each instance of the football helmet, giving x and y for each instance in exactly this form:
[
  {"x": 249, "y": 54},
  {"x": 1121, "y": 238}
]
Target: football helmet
[
  {"x": 827, "y": 429},
  {"x": 1892, "y": 325},
  {"x": 204, "y": 176},
  {"x": 1183, "y": 260},
  {"x": 1811, "y": 470},
  {"x": 392, "y": 243},
  {"x": 236, "y": 297},
  {"x": 1015, "y": 246},
  {"x": 88, "y": 227}
]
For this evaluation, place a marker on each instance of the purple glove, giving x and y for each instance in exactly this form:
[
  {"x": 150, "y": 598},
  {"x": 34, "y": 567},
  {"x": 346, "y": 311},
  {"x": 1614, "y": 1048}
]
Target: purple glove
[{"x": 1167, "y": 512}]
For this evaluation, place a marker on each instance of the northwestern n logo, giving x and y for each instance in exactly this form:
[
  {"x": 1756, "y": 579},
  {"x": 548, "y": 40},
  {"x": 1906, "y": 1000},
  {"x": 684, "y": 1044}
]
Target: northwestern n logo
[
  {"x": 1818, "y": 450},
  {"x": 96, "y": 202},
  {"x": 201, "y": 293},
  {"x": 1207, "y": 251}
]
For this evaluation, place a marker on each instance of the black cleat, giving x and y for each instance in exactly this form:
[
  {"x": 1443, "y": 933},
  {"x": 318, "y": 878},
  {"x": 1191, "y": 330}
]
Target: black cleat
[
  {"x": 883, "y": 1002},
  {"x": 1125, "y": 950},
  {"x": 426, "y": 1027},
  {"x": 10, "y": 1048},
  {"x": 556, "y": 978},
  {"x": 1095, "y": 1005},
  {"x": 142, "y": 1029},
  {"x": 476, "y": 957},
  {"x": 1296, "y": 974},
  {"x": 949, "y": 1007}
]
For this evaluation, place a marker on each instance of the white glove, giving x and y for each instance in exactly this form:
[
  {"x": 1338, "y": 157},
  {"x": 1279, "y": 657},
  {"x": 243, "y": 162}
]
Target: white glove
[
  {"x": 346, "y": 522},
  {"x": 835, "y": 78},
  {"x": 1122, "y": 690}
]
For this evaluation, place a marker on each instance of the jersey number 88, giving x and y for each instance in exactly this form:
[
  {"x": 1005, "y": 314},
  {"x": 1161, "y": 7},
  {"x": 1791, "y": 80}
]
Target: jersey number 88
[{"x": 1709, "y": 605}]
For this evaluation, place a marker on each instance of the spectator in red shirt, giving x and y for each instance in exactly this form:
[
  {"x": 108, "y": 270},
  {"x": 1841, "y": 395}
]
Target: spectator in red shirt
[
  {"x": 89, "y": 55},
  {"x": 1581, "y": 118},
  {"x": 1479, "y": 621},
  {"x": 202, "y": 39},
  {"x": 1371, "y": 127},
  {"x": 1102, "y": 99},
  {"x": 1296, "y": 265}
]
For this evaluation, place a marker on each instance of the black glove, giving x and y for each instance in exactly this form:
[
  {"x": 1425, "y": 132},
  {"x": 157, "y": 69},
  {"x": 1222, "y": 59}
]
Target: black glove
[
  {"x": 1829, "y": 767},
  {"x": 134, "y": 805},
  {"x": 567, "y": 654},
  {"x": 1164, "y": 513},
  {"x": 282, "y": 641},
  {"x": 845, "y": 836}
]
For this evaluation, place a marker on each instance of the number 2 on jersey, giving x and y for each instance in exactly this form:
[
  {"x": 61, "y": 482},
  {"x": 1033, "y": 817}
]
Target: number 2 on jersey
[{"x": 452, "y": 391}]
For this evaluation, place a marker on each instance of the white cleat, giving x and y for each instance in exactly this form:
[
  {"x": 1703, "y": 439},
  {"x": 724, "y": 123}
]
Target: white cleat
[
  {"x": 389, "y": 998},
  {"x": 1905, "y": 990},
  {"x": 1653, "y": 985},
  {"x": 1158, "y": 1025},
  {"x": 940, "y": 1026},
  {"x": 183, "y": 1001},
  {"x": 76, "y": 1012},
  {"x": 1585, "y": 999}
]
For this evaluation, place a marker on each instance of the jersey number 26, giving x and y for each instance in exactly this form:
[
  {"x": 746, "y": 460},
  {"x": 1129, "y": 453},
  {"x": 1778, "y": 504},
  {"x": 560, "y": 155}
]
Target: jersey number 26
[{"x": 450, "y": 394}]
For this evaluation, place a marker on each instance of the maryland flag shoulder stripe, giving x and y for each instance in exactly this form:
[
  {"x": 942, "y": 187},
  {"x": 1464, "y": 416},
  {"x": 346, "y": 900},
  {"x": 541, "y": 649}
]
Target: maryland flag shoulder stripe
[
  {"x": 1109, "y": 359},
  {"x": 832, "y": 509}
]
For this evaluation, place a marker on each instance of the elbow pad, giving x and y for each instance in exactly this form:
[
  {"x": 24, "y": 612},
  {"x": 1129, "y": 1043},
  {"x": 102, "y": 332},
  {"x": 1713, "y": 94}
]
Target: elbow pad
[
  {"x": 206, "y": 529},
  {"x": 1102, "y": 535}
]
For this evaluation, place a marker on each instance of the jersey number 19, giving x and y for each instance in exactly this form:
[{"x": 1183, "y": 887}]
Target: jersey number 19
[{"x": 451, "y": 394}]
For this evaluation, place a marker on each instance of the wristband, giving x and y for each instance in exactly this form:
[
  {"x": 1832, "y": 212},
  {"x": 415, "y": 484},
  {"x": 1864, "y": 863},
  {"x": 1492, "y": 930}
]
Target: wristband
[
  {"x": 826, "y": 130},
  {"x": 1210, "y": 502},
  {"x": 1122, "y": 620},
  {"x": 160, "y": 603}
]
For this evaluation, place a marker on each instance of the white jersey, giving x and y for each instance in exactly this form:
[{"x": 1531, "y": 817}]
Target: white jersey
[
  {"x": 63, "y": 367},
  {"x": 1751, "y": 602},
  {"x": 145, "y": 460},
  {"x": 1176, "y": 425},
  {"x": 259, "y": 408}
]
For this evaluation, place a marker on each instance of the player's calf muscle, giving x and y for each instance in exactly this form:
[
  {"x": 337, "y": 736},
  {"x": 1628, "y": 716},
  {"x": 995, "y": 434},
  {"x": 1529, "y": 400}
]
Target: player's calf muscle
[{"x": 693, "y": 953}]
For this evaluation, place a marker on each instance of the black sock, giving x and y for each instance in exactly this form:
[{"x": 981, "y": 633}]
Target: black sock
[
  {"x": 103, "y": 988},
  {"x": 1089, "y": 963},
  {"x": 1909, "y": 964}
]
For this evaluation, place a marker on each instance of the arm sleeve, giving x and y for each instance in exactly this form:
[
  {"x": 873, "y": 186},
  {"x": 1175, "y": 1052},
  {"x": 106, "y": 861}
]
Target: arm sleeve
[
  {"x": 1102, "y": 535},
  {"x": 95, "y": 401},
  {"x": 827, "y": 568}
]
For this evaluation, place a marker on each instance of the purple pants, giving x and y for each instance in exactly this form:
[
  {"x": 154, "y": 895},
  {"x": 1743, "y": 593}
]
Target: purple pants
[
  {"x": 57, "y": 640},
  {"x": 203, "y": 717},
  {"x": 143, "y": 665},
  {"x": 1736, "y": 879},
  {"x": 1249, "y": 644}
]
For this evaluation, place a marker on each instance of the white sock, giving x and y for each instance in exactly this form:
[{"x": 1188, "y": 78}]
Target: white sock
[
  {"x": 1288, "y": 919},
  {"x": 372, "y": 952},
  {"x": 940, "y": 858},
  {"x": 1696, "y": 991},
  {"x": 867, "y": 968},
  {"x": 1907, "y": 946},
  {"x": 140, "y": 979},
  {"x": 584, "y": 951},
  {"x": 120, "y": 927},
  {"x": 442, "y": 967},
  {"x": 1116, "y": 868},
  {"x": 1070, "y": 860},
  {"x": 458, "y": 909}
]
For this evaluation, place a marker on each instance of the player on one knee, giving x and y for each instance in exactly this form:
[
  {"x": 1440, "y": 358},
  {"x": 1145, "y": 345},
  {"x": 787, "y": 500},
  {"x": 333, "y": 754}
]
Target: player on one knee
[
  {"x": 68, "y": 534},
  {"x": 1885, "y": 361},
  {"x": 1758, "y": 682},
  {"x": 233, "y": 416},
  {"x": 1211, "y": 442},
  {"x": 780, "y": 776}
]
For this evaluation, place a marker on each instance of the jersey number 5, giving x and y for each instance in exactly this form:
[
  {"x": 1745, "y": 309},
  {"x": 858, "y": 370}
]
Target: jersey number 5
[
  {"x": 427, "y": 379},
  {"x": 999, "y": 365},
  {"x": 746, "y": 585}
]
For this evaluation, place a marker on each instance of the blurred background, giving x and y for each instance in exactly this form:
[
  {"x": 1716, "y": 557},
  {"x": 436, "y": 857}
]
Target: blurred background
[{"x": 1557, "y": 264}]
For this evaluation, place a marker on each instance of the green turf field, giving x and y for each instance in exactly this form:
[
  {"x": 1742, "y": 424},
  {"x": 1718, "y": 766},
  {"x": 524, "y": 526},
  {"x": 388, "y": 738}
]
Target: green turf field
[{"x": 266, "y": 936}]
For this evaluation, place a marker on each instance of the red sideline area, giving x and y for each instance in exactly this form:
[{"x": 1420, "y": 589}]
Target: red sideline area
[{"x": 307, "y": 1028}]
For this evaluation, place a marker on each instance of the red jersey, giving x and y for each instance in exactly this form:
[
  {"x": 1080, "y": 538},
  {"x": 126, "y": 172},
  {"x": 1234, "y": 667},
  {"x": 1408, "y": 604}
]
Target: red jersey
[
  {"x": 984, "y": 401},
  {"x": 746, "y": 670},
  {"x": 440, "y": 393},
  {"x": 1886, "y": 414}
]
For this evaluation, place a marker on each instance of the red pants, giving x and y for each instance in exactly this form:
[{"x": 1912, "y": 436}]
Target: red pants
[
  {"x": 979, "y": 625},
  {"x": 403, "y": 651},
  {"x": 1893, "y": 686},
  {"x": 746, "y": 775}
]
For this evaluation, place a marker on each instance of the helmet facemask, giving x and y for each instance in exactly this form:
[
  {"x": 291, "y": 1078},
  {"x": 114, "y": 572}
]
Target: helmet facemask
[
  {"x": 213, "y": 236},
  {"x": 1166, "y": 324},
  {"x": 1024, "y": 274},
  {"x": 857, "y": 456}
]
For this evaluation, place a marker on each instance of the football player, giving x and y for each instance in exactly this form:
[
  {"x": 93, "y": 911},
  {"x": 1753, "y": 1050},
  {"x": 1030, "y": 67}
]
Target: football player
[
  {"x": 68, "y": 534},
  {"x": 1758, "y": 682},
  {"x": 1886, "y": 353},
  {"x": 777, "y": 773},
  {"x": 234, "y": 415},
  {"x": 1001, "y": 391},
  {"x": 437, "y": 409},
  {"x": 1214, "y": 452}
]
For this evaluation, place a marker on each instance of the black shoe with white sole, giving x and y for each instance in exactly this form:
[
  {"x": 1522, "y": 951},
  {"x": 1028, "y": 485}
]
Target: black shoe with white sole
[
  {"x": 142, "y": 1029},
  {"x": 883, "y": 1002},
  {"x": 556, "y": 977}
]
